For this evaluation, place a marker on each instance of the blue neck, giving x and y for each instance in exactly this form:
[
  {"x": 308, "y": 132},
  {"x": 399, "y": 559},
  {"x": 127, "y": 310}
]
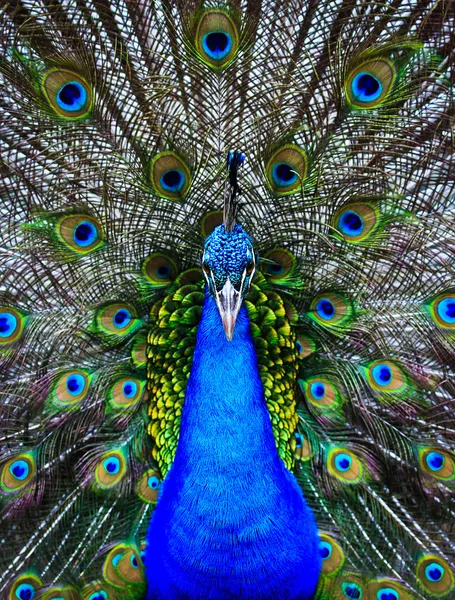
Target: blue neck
[
  {"x": 225, "y": 419},
  {"x": 231, "y": 520}
]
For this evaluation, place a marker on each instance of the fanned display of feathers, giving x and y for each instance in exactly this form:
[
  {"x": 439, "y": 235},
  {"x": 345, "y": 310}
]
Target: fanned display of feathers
[{"x": 116, "y": 118}]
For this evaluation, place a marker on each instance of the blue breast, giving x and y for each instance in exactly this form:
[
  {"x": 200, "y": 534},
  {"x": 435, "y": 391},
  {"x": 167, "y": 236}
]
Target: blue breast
[{"x": 231, "y": 521}]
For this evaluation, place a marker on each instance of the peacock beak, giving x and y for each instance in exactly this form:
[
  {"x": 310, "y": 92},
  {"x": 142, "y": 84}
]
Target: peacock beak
[{"x": 228, "y": 301}]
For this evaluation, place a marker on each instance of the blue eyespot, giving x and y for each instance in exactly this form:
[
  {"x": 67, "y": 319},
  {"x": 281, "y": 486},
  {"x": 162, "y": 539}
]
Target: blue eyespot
[
  {"x": 434, "y": 572},
  {"x": 100, "y": 595},
  {"x": 274, "y": 269},
  {"x": 325, "y": 550},
  {"x": 173, "y": 180},
  {"x": 435, "y": 461},
  {"x": 112, "y": 465},
  {"x": 75, "y": 384},
  {"x": 446, "y": 310},
  {"x": 25, "y": 592},
  {"x": 325, "y": 309},
  {"x": 351, "y": 223},
  {"x": 8, "y": 324},
  {"x": 117, "y": 558},
  {"x": 163, "y": 272},
  {"x": 134, "y": 562},
  {"x": 122, "y": 317},
  {"x": 217, "y": 44},
  {"x": 343, "y": 462},
  {"x": 130, "y": 389},
  {"x": 365, "y": 87},
  {"x": 85, "y": 234},
  {"x": 153, "y": 482},
  {"x": 72, "y": 96},
  {"x": 387, "y": 594},
  {"x": 351, "y": 590},
  {"x": 299, "y": 440},
  {"x": 19, "y": 469},
  {"x": 283, "y": 174},
  {"x": 382, "y": 374},
  {"x": 317, "y": 390},
  {"x": 299, "y": 346}
]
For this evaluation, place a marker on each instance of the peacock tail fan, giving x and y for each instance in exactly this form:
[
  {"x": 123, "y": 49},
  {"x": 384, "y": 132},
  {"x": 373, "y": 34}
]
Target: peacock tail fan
[{"x": 116, "y": 120}]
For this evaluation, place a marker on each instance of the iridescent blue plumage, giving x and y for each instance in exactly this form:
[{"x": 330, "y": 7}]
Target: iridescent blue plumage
[
  {"x": 231, "y": 521},
  {"x": 228, "y": 254}
]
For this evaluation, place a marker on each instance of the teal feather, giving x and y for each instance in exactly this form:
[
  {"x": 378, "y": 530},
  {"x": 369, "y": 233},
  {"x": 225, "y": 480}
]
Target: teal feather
[{"x": 116, "y": 120}]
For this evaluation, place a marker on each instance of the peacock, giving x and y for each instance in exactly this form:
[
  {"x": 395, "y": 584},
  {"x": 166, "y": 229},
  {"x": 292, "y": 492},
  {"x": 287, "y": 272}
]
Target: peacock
[{"x": 227, "y": 300}]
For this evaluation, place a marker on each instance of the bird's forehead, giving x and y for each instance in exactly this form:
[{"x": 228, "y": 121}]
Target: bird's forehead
[{"x": 229, "y": 251}]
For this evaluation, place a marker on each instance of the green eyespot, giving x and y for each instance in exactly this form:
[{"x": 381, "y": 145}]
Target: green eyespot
[
  {"x": 437, "y": 463},
  {"x": 331, "y": 554},
  {"x": 387, "y": 589},
  {"x": 139, "y": 352},
  {"x": 350, "y": 586},
  {"x": 25, "y": 587},
  {"x": 331, "y": 310},
  {"x": 123, "y": 565},
  {"x": 306, "y": 346},
  {"x": 303, "y": 450},
  {"x": 80, "y": 233},
  {"x": 442, "y": 310},
  {"x": 17, "y": 473},
  {"x": 355, "y": 221},
  {"x": 279, "y": 264},
  {"x": 159, "y": 269},
  {"x": 434, "y": 575},
  {"x": 216, "y": 38},
  {"x": 170, "y": 176},
  {"x": 210, "y": 221},
  {"x": 126, "y": 393},
  {"x": 343, "y": 464},
  {"x": 386, "y": 376},
  {"x": 321, "y": 393},
  {"x": 71, "y": 388},
  {"x": 98, "y": 590},
  {"x": 12, "y": 324},
  {"x": 368, "y": 84},
  {"x": 65, "y": 592},
  {"x": 148, "y": 486},
  {"x": 287, "y": 169},
  {"x": 110, "y": 470},
  {"x": 117, "y": 318},
  {"x": 68, "y": 93}
]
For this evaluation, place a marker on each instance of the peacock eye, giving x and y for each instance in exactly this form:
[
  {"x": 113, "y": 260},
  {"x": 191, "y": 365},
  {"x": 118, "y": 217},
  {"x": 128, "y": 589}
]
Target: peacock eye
[
  {"x": 352, "y": 590},
  {"x": 355, "y": 221},
  {"x": 369, "y": 84},
  {"x": 287, "y": 169},
  {"x": 81, "y": 233},
  {"x": 110, "y": 469},
  {"x": 25, "y": 587},
  {"x": 435, "y": 575},
  {"x": 68, "y": 94},
  {"x": 17, "y": 473},
  {"x": 217, "y": 38},
  {"x": 170, "y": 176},
  {"x": 332, "y": 555},
  {"x": 159, "y": 270},
  {"x": 11, "y": 325}
]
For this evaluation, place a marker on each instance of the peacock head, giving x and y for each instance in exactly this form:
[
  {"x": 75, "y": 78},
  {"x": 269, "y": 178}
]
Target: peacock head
[{"x": 228, "y": 264}]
